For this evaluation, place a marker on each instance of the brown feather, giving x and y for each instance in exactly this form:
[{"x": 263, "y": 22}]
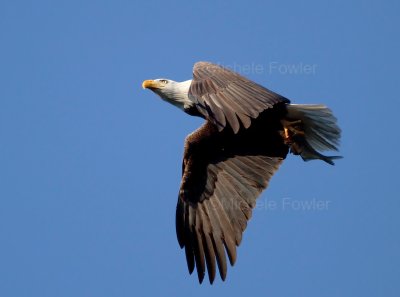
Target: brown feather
[
  {"x": 223, "y": 174},
  {"x": 232, "y": 94}
]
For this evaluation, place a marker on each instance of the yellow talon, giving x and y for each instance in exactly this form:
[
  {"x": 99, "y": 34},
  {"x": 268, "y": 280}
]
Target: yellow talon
[
  {"x": 291, "y": 128},
  {"x": 286, "y": 132}
]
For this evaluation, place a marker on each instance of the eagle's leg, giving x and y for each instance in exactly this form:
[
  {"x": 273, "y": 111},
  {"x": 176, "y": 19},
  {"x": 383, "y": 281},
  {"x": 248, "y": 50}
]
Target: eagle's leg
[{"x": 291, "y": 128}]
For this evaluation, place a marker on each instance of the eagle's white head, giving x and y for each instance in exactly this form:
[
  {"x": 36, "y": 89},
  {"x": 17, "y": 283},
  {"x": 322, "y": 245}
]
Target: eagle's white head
[{"x": 171, "y": 91}]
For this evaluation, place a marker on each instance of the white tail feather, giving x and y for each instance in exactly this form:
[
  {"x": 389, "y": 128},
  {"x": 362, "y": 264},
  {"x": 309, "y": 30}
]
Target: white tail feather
[
  {"x": 320, "y": 125},
  {"x": 321, "y": 132}
]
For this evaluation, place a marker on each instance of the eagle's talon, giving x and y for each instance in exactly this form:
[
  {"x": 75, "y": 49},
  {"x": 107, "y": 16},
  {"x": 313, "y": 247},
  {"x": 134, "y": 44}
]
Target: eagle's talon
[
  {"x": 286, "y": 136},
  {"x": 290, "y": 129}
]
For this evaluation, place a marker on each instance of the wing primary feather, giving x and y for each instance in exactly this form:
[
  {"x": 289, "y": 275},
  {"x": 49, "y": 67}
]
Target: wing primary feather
[
  {"x": 208, "y": 245},
  {"x": 179, "y": 223},
  {"x": 189, "y": 240},
  {"x": 217, "y": 241},
  {"x": 199, "y": 255},
  {"x": 233, "y": 208},
  {"x": 189, "y": 257},
  {"x": 228, "y": 230}
]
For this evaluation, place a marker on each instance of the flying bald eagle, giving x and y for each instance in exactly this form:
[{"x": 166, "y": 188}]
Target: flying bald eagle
[{"x": 229, "y": 160}]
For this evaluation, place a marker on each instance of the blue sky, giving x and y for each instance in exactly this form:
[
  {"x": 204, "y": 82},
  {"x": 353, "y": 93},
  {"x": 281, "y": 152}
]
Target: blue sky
[{"x": 90, "y": 163}]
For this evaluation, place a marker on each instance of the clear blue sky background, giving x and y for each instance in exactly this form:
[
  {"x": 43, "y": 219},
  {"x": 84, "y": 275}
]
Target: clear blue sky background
[{"x": 90, "y": 163}]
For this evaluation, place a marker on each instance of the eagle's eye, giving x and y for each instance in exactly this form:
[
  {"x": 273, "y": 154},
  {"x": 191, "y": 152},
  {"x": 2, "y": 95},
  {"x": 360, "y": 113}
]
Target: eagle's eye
[{"x": 164, "y": 81}]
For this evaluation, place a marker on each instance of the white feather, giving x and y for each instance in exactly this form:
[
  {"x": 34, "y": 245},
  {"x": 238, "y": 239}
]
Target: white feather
[
  {"x": 175, "y": 93},
  {"x": 320, "y": 125}
]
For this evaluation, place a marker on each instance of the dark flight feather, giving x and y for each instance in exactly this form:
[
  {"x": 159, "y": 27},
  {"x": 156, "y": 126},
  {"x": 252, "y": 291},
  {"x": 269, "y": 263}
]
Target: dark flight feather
[
  {"x": 223, "y": 174},
  {"x": 223, "y": 96}
]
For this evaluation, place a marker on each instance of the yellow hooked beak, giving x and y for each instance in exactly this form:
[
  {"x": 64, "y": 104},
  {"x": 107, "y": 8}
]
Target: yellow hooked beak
[{"x": 150, "y": 84}]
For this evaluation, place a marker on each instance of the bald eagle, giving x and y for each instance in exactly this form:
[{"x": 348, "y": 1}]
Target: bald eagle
[{"x": 229, "y": 160}]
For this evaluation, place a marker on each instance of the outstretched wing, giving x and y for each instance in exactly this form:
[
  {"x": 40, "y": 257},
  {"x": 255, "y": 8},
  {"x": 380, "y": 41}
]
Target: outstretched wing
[
  {"x": 225, "y": 97},
  {"x": 223, "y": 174}
]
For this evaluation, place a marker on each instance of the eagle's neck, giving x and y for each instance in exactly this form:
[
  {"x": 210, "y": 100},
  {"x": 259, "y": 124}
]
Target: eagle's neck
[{"x": 176, "y": 93}]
